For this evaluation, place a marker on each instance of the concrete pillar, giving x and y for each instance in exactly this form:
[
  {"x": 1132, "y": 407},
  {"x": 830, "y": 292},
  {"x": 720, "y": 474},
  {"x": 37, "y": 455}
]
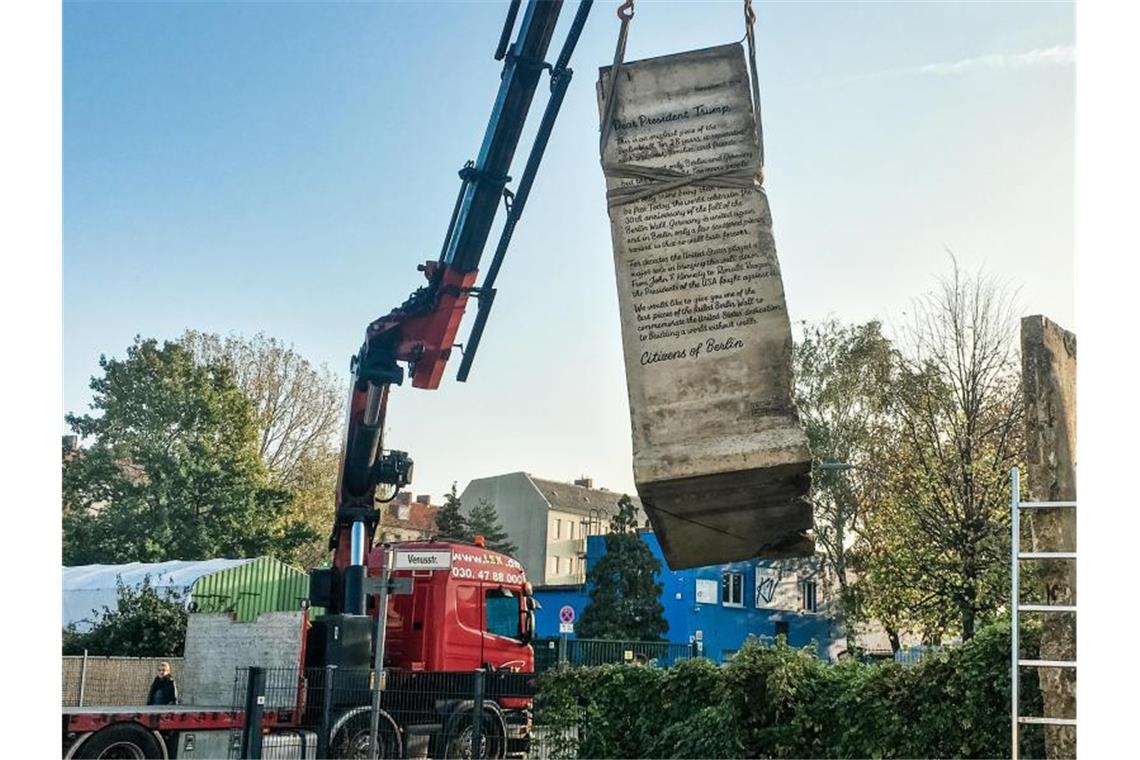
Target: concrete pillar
[{"x": 1049, "y": 383}]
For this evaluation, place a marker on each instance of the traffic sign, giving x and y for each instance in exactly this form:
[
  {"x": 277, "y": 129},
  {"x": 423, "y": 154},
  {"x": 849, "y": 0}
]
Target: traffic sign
[
  {"x": 566, "y": 614},
  {"x": 396, "y": 586},
  {"x": 566, "y": 628},
  {"x": 423, "y": 559}
]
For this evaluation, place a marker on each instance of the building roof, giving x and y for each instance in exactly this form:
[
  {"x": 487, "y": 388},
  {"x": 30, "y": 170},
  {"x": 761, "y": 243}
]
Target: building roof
[
  {"x": 568, "y": 497},
  {"x": 421, "y": 517},
  {"x": 87, "y": 589}
]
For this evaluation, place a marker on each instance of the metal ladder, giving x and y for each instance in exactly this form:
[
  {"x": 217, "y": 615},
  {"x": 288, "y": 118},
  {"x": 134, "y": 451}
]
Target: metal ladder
[{"x": 1016, "y": 663}]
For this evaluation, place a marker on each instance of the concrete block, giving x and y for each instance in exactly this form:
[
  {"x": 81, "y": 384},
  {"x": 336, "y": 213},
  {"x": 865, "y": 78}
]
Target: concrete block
[
  {"x": 720, "y": 460},
  {"x": 217, "y": 645}
]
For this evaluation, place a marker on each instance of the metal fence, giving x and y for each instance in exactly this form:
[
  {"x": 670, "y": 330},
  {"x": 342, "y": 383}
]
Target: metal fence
[
  {"x": 917, "y": 654},
  {"x": 95, "y": 681},
  {"x": 328, "y": 713},
  {"x": 578, "y": 652}
]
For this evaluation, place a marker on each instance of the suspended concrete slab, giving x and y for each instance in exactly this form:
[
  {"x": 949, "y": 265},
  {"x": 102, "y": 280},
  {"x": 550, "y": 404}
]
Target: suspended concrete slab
[{"x": 720, "y": 460}]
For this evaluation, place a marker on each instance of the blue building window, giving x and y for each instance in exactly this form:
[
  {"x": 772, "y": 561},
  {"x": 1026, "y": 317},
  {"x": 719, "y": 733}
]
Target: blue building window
[{"x": 732, "y": 590}]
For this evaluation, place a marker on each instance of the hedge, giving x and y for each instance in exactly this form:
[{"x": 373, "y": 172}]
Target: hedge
[{"x": 776, "y": 701}]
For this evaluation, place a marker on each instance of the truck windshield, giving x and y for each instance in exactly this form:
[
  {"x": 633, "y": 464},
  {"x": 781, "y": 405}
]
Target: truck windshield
[{"x": 502, "y": 615}]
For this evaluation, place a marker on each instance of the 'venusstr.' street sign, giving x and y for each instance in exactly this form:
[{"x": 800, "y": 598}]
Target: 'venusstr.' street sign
[{"x": 423, "y": 559}]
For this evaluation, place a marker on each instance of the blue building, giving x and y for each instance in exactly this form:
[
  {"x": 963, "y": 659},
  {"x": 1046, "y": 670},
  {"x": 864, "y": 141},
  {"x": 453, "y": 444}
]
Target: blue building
[{"x": 721, "y": 605}]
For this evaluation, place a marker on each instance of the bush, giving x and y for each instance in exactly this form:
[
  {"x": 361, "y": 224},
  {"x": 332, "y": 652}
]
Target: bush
[
  {"x": 782, "y": 702},
  {"x": 145, "y": 622}
]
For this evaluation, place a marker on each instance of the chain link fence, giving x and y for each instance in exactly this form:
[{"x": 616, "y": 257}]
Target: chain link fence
[{"x": 110, "y": 681}]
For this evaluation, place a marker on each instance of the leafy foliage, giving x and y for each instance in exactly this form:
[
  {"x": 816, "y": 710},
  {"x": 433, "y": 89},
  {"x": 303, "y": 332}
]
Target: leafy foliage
[
  {"x": 298, "y": 411},
  {"x": 841, "y": 374},
  {"x": 174, "y": 471},
  {"x": 778, "y": 701},
  {"x": 449, "y": 521},
  {"x": 625, "y": 597},
  {"x": 483, "y": 520},
  {"x": 145, "y": 623},
  {"x": 939, "y": 538}
]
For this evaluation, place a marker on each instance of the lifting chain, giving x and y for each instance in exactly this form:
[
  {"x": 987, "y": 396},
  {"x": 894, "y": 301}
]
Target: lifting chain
[{"x": 749, "y": 23}]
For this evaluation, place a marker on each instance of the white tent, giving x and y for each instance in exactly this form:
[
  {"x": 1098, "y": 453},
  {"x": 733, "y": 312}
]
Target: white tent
[{"x": 87, "y": 589}]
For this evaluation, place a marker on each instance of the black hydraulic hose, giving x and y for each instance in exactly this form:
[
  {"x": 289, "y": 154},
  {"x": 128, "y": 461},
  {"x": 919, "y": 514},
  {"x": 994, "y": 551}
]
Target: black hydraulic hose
[
  {"x": 519, "y": 80},
  {"x": 508, "y": 27},
  {"x": 573, "y": 35},
  {"x": 560, "y": 81}
]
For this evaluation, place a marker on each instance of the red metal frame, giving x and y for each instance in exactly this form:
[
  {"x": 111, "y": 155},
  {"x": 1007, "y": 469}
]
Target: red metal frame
[{"x": 199, "y": 720}]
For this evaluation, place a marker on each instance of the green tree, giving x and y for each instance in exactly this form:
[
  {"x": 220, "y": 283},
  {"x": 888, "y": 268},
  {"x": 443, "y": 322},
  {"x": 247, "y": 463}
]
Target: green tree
[
  {"x": 144, "y": 623},
  {"x": 941, "y": 523},
  {"x": 298, "y": 412},
  {"x": 625, "y": 597},
  {"x": 173, "y": 470},
  {"x": 483, "y": 520},
  {"x": 449, "y": 521},
  {"x": 841, "y": 374}
]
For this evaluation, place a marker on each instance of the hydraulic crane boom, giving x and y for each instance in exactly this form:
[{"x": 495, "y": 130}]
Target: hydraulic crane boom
[{"x": 421, "y": 332}]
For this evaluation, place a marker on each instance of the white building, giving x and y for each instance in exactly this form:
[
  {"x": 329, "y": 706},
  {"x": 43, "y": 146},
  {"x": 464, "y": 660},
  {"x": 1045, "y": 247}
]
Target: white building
[{"x": 548, "y": 521}]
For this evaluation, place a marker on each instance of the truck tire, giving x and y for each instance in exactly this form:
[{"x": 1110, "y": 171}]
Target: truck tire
[
  {"x": 458, "y": 738},
  {"x": 351, "y": 741},
  {"x": 120, "y": 741}
]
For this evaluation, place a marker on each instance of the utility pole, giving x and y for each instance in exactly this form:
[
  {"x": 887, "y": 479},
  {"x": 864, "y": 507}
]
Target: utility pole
[{"x": 378, "y": 655}]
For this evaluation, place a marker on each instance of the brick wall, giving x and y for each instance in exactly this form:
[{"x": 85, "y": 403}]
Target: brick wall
[{"x": 113, "y": 680}]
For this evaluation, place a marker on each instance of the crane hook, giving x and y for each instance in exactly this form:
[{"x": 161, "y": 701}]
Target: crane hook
[{"x": 625, "y": 11}]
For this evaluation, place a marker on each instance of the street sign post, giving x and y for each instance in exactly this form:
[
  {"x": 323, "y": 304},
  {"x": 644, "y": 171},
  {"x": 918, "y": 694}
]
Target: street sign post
[
  {"x": 385, "y": 579},
  {"x": 396, "y": 586},
  {"x": 565, "y": 627}
]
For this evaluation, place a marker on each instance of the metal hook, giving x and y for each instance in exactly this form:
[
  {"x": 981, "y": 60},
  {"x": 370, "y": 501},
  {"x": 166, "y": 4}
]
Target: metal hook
[
  {"x": 625, "y": 10},
  {"x": 749, "y": 14}
]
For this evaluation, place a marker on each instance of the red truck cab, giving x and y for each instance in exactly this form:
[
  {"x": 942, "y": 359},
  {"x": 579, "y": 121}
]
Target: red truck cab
[{"x": 476, "y": 613}]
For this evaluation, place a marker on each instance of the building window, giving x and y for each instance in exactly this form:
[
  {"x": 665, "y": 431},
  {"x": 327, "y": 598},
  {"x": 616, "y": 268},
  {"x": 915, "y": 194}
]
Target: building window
[
  {"x": 570, "y": 528},
  {"x": 732, "y": 590},
  {"x": 808, "y": 598},
  {"x": 557, "y": 529},
  {"x": 782, "y": 628}
]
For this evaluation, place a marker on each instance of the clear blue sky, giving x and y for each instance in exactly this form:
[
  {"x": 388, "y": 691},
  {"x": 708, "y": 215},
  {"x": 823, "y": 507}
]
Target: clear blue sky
[{"x": 283, "y": 167}]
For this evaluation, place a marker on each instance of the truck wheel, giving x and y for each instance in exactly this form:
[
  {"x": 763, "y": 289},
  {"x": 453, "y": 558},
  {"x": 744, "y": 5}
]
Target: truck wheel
[
  {"x": 461, "y": 734},
  {"x": 120, "y": 741},
  {"x": 351, "y": 741}
]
